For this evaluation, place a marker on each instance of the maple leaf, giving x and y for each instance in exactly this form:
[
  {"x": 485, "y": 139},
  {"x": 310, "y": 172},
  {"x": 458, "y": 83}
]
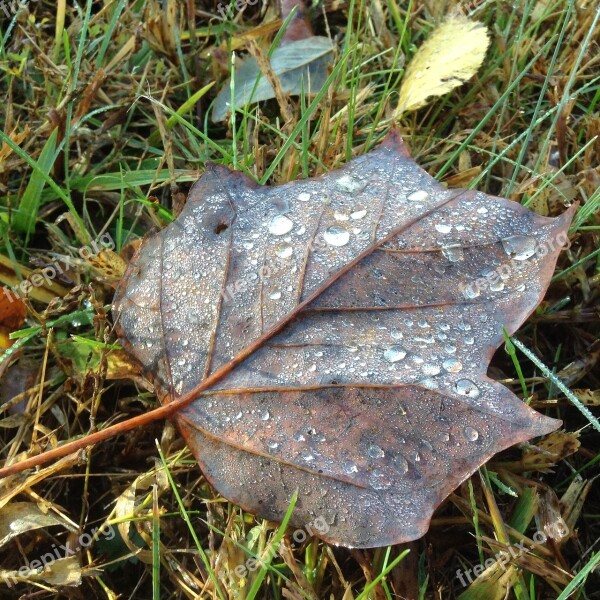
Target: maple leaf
[{"x": 335, "y": 333}]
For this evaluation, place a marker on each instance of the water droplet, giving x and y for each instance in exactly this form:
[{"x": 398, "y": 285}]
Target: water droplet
[
  {"x": 312, "y": 368},
  {"x": 351, "y": 185},
  {"x": 349, "y": 468},
  {"x": 336, "y": 236},
  {"x": 265, "y": 416},
  {"x": 418, "y": 196},
  {"x": 482, "y": 210},
  {"x": 374, "y": 451},
  {"x": 273, "y": 445},
  {"x": 466, "y": 387},
  {"x": 443, "y": 228},
  {"x": 452, "y": 365},
  {"x": 453, "y": 252},
  {"x": 449, "y": 349},
  {"x": 445, "y": 437},
  {"x": 358, "y": 214},
  {"x": 280, "y": 225},
  {"x": 519, "y": 247},
  {"x": 429, "y": 369},
  {"x": 284, "y": 250},
  {"x": 471, "y": 291},
  {"x": 394, "y": 354},
  {"x": 396, "y": 334},
  {"x": 401, "y": 464},
  {"x": 497, "y": 286},
  {"x": 304, "y": 197},
  {"x": 340, "y": 216},
  {"x": 275, "y": 295},
  {"x": 471, "y": 434}
]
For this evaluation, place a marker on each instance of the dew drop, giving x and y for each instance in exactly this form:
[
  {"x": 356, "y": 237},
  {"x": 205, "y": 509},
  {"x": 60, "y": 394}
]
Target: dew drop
[
  {"x": 265, "y": 416},
  {"x": 273, "y": 445},
  {"x": 466, "y": 387},
  {"x": 396, "y": 334},
  {"x": 431, "y": 370},
  {"x": 519, "y": 247},
  {"x": 394, "y": 354},
  {"x": 280, "y": 225},
  {"x": 401, "y": 464},
  {"x": 471, "y": 434},
  {"x": 349, "y": 468},
  {"x": 418, "y": 196},
  {"x": 452, "y": 365},
  {"x": 497, "y": 286},
  {"x": 350, "y": 185},
  {"x": 340, "y": 216},
  {"x": 304, "y": 197},
  {"x": 443, "y": 228},
  {"x": 374, "y": 451},
  {"x": 470, "y": 292},
  {"x": 275, "y": 295},
  {"x": 453, "y": 252},
  {"x": 336, "y": 236},
  {"x": 284, "y": 250},
  {"x": 358, "y": 214}
]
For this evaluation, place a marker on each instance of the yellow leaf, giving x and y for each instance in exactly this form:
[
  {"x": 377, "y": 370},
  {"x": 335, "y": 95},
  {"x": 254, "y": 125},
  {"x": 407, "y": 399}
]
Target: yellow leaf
[{"x": 449, "y": 57}]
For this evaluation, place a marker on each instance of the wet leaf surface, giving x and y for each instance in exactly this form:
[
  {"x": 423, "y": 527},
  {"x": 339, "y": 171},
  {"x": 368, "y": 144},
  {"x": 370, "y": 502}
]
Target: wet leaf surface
[{"x": 337, "y": 332}]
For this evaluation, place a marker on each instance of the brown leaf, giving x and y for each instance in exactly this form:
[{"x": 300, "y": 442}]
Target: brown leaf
[{"x": 345, "y": 324}]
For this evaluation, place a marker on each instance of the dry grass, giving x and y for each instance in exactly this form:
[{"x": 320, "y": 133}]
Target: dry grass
[{"x": 91, "y": 146}]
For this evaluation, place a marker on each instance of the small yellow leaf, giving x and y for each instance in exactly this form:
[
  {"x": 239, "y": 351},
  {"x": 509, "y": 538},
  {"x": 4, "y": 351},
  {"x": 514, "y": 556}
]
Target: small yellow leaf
[{"x": 449, "y": 57}]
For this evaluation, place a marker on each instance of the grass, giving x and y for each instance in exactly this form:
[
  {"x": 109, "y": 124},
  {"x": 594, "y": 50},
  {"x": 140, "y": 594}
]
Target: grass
[{"x": 105, "y": 124}]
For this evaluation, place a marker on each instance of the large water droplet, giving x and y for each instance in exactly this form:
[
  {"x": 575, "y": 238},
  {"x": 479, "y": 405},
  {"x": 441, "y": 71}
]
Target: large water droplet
[
  {"x": 452, "y": 365},
  {"x": 466, "y": 387},
  {"x": 394, "y": 354},
  {"x": 284, "y": 250},
  {"x": 453, "y": 252},
  {"x": 337, "y": 236},
  {"x": 431, "y": 370},
  {"x": 374, "y": 451},
  {"x": 280, "y": 225},
  {"x": 471, "y": 434},
  {"x": 519, "y": 247},
  {"x": 471, "y": 291},
  {"x": 418, "y": 196},
  {"x": 358, "y": 214},
  {"x": 350, "y": 185},
  {"x": 265, "y": 416},
  {"x": 401, "y": 464},
  {"x": 349, "y": 468},
  {"x": 275, "y": 295},
  {"x": 443, "y": 228}
]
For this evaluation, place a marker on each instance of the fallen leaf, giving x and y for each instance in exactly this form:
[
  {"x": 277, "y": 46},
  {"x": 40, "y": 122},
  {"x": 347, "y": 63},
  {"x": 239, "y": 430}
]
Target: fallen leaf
[
  {"x": 298, "y": 66},
  {"x": 20, "y": 517},
  {"x": 12, "y": 316},
  {"x": 447, "y": 59},
  {"x": 335, "y": 333}
]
